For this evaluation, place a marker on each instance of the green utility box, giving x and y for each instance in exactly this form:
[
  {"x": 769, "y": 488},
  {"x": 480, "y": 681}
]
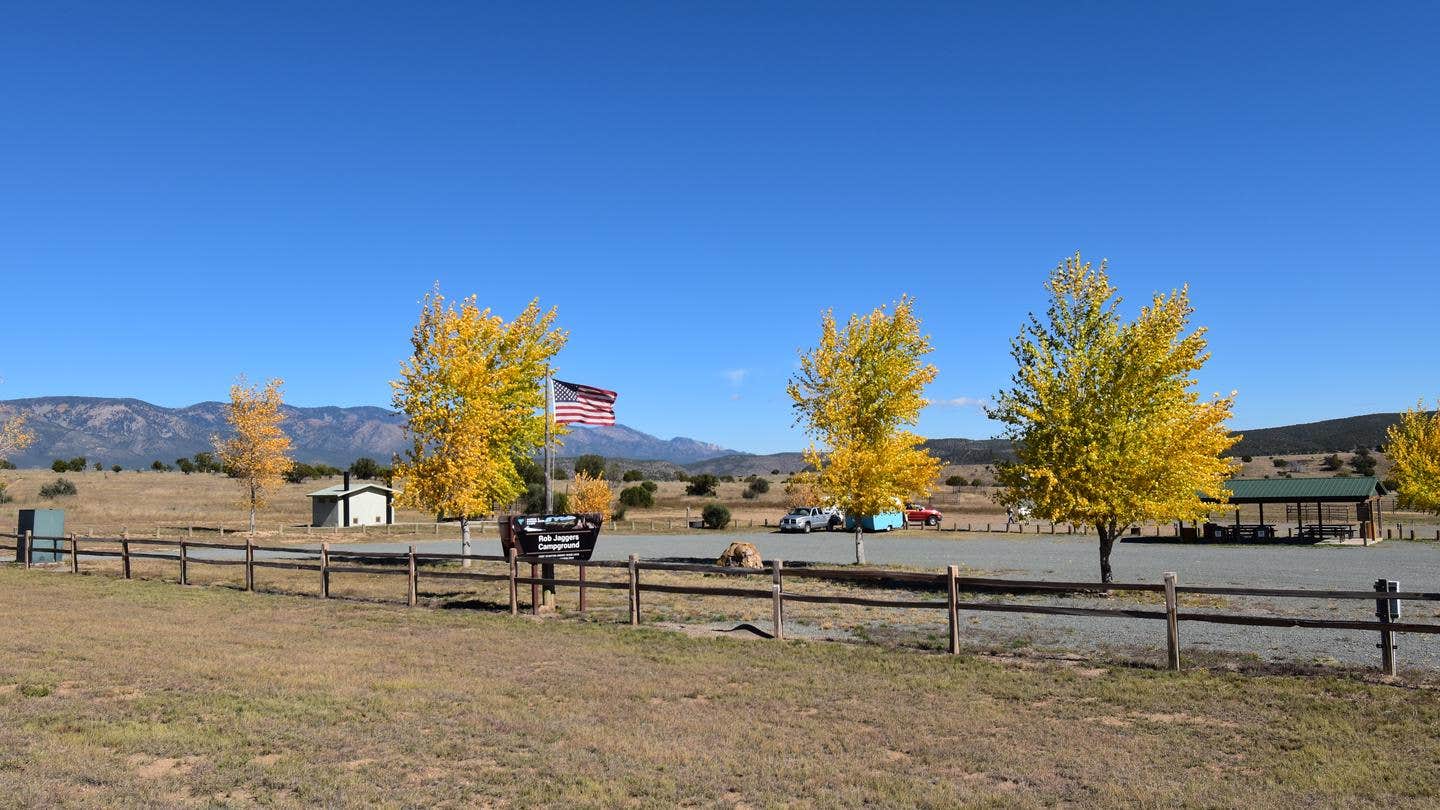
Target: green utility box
[{"x": 47, "y": 534}]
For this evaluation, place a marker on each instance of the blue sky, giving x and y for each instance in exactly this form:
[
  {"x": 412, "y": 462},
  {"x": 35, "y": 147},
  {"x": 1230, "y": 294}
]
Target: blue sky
[{"x": 189, "y": 191}]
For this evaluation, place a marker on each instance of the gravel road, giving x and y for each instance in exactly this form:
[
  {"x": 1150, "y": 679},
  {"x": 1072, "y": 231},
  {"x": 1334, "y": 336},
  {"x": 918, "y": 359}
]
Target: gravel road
[{"x": 1415, "y": 565}]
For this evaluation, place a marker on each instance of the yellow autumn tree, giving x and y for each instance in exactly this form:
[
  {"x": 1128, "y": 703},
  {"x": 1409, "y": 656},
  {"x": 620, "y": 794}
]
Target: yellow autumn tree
[
  {"x": 257, "y": 452},
  {"x": 1413, "y": 445},
  {"x": 590, "y": 494},
  {"x": 13, "y": 436},
  {"x": 473, "y": 394},
  {"x": 1103, "y": 415},
  {"x": 855, "y": 394}
]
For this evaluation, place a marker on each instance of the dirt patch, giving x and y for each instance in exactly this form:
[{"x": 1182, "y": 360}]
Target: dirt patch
[{"x": 147, "y": 768}]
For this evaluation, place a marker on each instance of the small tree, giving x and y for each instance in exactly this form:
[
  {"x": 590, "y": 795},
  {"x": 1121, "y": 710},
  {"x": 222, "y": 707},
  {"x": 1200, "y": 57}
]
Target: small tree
[
  {"x": 159, "y": 466},
  {"x": 116, "y": 468},
  {"x": 638, "y": 497},
  {"x": 702, "y": 485},
  {"x": 649, "y": 486},
  {"x": 632, "y": 475},
  {"x": 473, "y": 397},
  {"x": 60, "y": 465},
  {"x": 591, "y": 465},
  {"x": 715, "y": 516},
  {"x": 856, "y": 393},
  {"x": 956, "y": 481},
  {"x": 257, "y": 451},
  {"x": 1362, "y": 462},
  {"x": 1106, "y": 426},
  {"x": 1332, "y": 463},
  {"x": 13, "y": 435},
  {"x": 590, "y": 494},
  {"x": 1414, "y": 448},
  {"x": 365, "y": 468}
]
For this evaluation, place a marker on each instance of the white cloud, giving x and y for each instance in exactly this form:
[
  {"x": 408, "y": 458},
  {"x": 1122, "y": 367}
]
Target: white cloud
[
  {"x": 735, "y": 376},
  {"x": 962, "y": 402}
]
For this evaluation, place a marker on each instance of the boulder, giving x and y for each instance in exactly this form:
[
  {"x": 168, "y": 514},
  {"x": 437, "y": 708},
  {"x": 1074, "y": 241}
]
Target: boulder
[{"x": 741, "y": 555}]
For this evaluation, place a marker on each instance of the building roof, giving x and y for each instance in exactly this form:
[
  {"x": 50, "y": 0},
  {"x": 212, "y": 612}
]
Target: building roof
[
  {"x": 339, "y": 490},
  {"x": 1302, "y": 490}
]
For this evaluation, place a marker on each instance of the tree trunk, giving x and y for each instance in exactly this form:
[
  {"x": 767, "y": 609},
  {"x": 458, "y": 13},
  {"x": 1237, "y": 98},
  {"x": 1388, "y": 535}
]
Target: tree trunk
[
  {"x": 465, "y": 540},
  {"x": 859, "y": 543},
  {"x": 1107, "y": 542}
]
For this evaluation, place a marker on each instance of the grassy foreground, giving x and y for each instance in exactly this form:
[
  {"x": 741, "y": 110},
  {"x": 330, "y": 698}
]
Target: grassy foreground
[{"x": 143, "y": 693}]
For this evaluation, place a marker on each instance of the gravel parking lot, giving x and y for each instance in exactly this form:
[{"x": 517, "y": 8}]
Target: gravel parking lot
[{"x": 1415, "y": 565}]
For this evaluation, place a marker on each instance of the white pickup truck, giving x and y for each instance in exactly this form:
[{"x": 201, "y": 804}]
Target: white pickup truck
[{"x": 812, "y": 518}]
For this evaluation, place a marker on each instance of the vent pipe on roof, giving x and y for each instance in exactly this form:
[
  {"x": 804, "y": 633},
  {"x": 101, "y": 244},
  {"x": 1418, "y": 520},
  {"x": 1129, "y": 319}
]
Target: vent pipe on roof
[{"x": 347, "y": 482}]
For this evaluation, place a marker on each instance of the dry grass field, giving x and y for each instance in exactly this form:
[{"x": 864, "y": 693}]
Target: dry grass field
[{"x": 136, "y": 693}]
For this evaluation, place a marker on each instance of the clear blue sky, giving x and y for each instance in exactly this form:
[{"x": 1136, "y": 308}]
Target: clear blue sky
[{"x": 193, "y": 190}]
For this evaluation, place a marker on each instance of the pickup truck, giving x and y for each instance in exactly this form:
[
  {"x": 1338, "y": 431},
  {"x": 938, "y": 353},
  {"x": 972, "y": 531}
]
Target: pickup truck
[{"x": 811, "y": 518}]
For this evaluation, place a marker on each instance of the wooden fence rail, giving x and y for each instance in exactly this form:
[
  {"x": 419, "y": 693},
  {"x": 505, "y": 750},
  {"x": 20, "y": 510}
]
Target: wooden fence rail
[{"x": 1385, "y": 594}]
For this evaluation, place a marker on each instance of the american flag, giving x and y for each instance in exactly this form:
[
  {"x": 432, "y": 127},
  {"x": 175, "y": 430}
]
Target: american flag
[{"x": 575, "y": 403}]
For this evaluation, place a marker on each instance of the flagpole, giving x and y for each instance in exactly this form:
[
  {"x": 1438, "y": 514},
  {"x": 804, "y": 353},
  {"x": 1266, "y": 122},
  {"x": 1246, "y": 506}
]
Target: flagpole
[{"x": 549, "y": 420}]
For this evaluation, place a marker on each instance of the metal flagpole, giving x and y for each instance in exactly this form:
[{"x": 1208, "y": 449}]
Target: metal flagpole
[{"x": 547, "y": 571}]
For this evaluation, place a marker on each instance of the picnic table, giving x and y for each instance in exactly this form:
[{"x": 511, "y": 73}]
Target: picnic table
[{"x": 1327, "y": 531}]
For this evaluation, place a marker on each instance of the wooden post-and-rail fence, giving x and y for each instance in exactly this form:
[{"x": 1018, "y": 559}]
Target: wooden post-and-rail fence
[{"x": 327, "y": 562}]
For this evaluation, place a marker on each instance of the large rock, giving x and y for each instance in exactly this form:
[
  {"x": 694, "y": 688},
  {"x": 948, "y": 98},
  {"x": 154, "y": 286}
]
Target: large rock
[{"x": 741, "y": 555}]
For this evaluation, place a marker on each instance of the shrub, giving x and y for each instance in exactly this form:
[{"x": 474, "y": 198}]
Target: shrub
[
  {"x": 1362, "y": 462},
  {"x": 99, "y": 466},
  {"x": 632, "y": 475},
  {"x": 1246, "y": 459},
  {"x": 1332, "y": 463},
  {"x": 618, "y": 514},
  {"x": 365, "y": 468},
  {"x": 748, "y": 494},
  {"x": 1279, "y": 463},
  {"x": 561, "y": 475},
  {"x": 650, "y": 486},
  {"x": 681, "y": 475},
  {"x": 158, "y": 466},
  {"x": 6, "y": 464},
  {"x": 60, "y": 466},
  {"x": 638, "y": 497},
  {"x": 117, "y": 468},
  {"x": 186, "y": 465},
  {"x": 701, "y": 485},
  {"x": 715, "y": 516},
  {"x": 4, "y": 498},
  {"x": 976, "y": 482},
  {"x": 758, "y": 487},
  {"x": 956, "y": 481},
  {"x": 205, "y": 462},
  {"x": 60, "y": 488},
  {"x": 78, "y": 464},
  {"x": 774, "y": 472},
  {"x": 591, "y": 464}
]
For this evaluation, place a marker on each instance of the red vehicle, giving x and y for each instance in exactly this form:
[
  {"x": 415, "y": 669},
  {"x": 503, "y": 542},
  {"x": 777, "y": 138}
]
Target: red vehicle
[{"x": 915, "y": 513}]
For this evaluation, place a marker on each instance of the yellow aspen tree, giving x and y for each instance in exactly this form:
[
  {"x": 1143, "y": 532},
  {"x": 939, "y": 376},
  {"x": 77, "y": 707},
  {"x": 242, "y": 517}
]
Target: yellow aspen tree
[
  {"x": 13, "y": 436},
  {"x": 590, "y": 494},
  {"x": 257, "y": 452},
  {"x": 1103, "y": 415},
  {"x": 855, "y": 394},
  {"x": 473, "y": 396},
  {"x": 1413, "y": 445}
]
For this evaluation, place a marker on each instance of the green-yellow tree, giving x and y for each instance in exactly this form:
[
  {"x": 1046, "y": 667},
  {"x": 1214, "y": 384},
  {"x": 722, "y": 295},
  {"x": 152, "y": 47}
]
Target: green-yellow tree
[
  {"x": 13, "y": 436},
  {"x": 1413, "y": 445},
  {"x": 257, "y": 452},
  {"x": 1103, "y": 416},
  {"x": 472, "y": 392},
  {"x": 856, "y": 393}
]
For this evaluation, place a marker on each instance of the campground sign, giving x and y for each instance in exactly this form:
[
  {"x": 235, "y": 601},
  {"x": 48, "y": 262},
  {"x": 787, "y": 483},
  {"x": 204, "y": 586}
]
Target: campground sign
[{"x": 552, "y": 537}]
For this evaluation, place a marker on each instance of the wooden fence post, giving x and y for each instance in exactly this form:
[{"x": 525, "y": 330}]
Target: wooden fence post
[
  {"x": 22, "y": 554},
  {"x": 777, "y": 606},
  {"x": 534, "y": 590},
  {"x": 952, "y": 600},
  {"x": 74, "y": 555},
  {"x": 325, "y": 570},
  {"x": 414, "y": 588},
  {"x": 580, "y": 574},
  {"x": 184, "y": 564},
  {"x": 634, "y": 591},
  {"x": 514, "y": 586},
  {"x": 1172, "y": 623},
  {"x": 249, "y": 564},
  {"x": 125, "y": 552}
]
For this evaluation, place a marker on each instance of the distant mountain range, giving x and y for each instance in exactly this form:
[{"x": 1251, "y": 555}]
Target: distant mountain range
[{"x": 134, "y": 433}]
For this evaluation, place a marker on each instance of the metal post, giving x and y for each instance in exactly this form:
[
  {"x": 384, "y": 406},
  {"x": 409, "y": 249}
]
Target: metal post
[
  {"x": 325, "y": 570},
  {"x": 634, "y": 591},
  {"x": 74, "y": 555},
  {"x": 777, "y": 607},
  {"x": 549, "y": 460},
  {"x": 952, "y": 572},
  {"x": 534, "y": 590},
  {"x": 1172, "y": 622},
  {"x": 1387, "y": 610},
  {"x": 580, "y": 574}
]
